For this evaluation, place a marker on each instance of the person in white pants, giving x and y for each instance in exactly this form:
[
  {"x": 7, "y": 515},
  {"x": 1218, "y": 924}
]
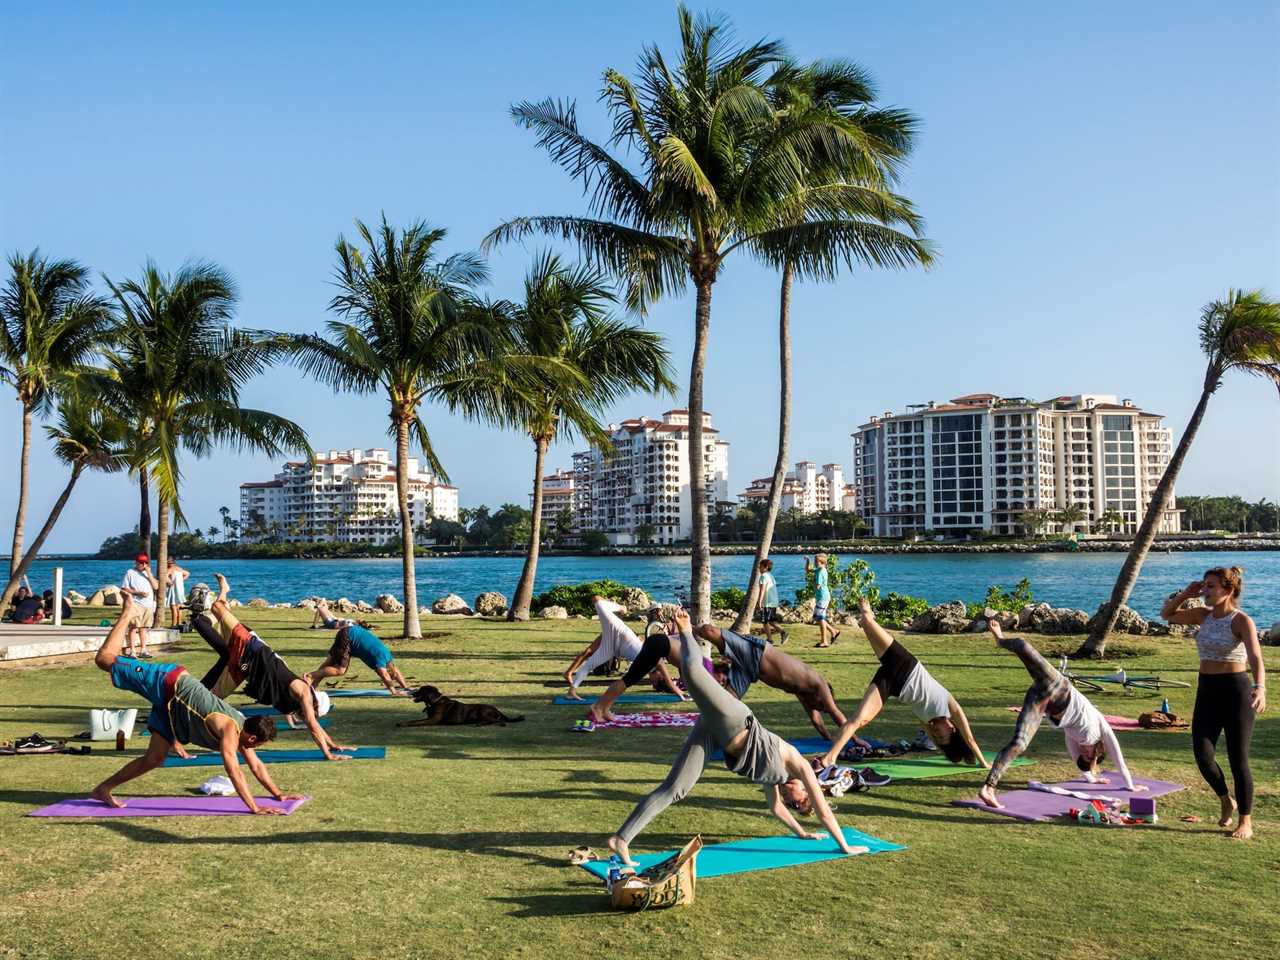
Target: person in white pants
[{"x": 616, "y": 640}]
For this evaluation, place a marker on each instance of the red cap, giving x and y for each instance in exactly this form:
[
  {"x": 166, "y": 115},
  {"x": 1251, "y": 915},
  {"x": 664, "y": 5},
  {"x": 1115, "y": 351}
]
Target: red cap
[{"x": 142, "y": 558}]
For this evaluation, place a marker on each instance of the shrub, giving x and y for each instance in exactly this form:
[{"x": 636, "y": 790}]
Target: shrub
[
  {"x": 576, "y": 598},
  {"x": 848, "y": 584},
  {"x": 730, "y": 598},
  {"x": 1009, "y": 601},
  {"x": 899, "y": 609}
]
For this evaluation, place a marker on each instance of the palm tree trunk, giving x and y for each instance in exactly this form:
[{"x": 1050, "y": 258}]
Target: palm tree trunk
[
  {"x": 1096, "y": 644},
  {"x": 412, "y": 625},
  {"x": 144, "y": 512},
  {"x": 29, "y": 557},
  {"x": 24, "y": 472},
  {"x": 162, "y": 557},
  {"x": 784, "y": 441},
  {"x": 524, "y": 589},
  {"x": 700, "y": 559}
]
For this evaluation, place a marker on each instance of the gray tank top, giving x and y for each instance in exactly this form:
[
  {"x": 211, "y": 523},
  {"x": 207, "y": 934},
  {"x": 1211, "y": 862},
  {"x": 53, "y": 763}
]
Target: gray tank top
[{"x": 1215, "y": 641}]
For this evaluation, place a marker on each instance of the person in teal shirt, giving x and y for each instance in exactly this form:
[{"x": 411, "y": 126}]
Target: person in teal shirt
[
  {"x": 769, "y": 602},
  {"x": 822, "y": 601},
  {"x": 357, "y": 640}
]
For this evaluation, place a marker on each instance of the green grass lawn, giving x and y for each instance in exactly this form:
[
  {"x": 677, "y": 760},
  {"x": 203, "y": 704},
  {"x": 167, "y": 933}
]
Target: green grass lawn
[{"x": 456, "y": 845}]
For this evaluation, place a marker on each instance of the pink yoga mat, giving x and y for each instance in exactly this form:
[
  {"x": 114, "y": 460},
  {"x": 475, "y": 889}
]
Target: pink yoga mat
[
  {"x": 1116, "y": 723},
  {"x": 194, "y": 806},
  {"x": 1036, "y": 805},
  {"x": 655, "y": 718}
]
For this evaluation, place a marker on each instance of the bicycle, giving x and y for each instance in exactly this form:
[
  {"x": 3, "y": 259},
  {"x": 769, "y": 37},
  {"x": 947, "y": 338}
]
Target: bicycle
[
  {"x": 654, "y": 622},
  {"x": 1094, "y": 682}
]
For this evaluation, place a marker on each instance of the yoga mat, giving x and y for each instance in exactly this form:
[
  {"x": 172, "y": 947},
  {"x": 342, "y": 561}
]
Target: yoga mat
[
  {"x": 282, "y": 726},
  {"x": 276, "y": 756},
  {"x": 656, "y": 718},
  {"x": 1038, "y": 806},
  {"x": 163, "y": 807},
  {"x": 361, "y": 692},
  {"x": 563, "y": 701},
  {"x": 910, "y": 766},
  {"x": 758, "y": 853}
]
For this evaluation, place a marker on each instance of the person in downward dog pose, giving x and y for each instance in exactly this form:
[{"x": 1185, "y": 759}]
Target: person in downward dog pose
[
  {"x": 749, "y": 749},
  {"x": 182, "y": 711},
  {"x": 364, "y": 645},
  {"x": 245, "y": 658},
  {"x": 1228, "y": 646},
  {"x": 903, "y": 676},
  {"x": 616, "y": 640},
  {"x": 1090, "y": 739}
]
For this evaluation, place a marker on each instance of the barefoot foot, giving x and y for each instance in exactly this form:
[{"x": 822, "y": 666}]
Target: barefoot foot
[
  {"x": 1245, "y": 830},
  {"x": 622, "y": 851},
  {"x": 104, "y": 796},
  {"x": 1228, "y": 812},
  {"x": 573, "y": 694},
  {"x": 988, "y": 796},
  {"x": 224, "y": 587}
]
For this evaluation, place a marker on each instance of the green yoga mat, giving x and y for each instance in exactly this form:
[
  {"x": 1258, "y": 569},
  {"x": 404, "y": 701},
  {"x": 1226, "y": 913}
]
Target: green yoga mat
[
  {"x": 759, "y": 853},
  {"x": 911, "y": 766},
  {"x": 563, "y": 701}
]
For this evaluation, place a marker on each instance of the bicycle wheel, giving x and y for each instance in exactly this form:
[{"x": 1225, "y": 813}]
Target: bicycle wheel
[
  {"x": 1156, "y": 683},
  {"x": 1085, "y": 683}
]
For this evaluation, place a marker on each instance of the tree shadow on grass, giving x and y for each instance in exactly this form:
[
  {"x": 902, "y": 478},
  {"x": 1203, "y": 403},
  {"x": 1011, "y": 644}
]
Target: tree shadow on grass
[{"x": 586, "y": 900}]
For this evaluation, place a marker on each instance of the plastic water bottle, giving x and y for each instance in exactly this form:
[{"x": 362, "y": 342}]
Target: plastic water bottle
[
  {"x": 1164, "y": 707},
  {"x": 614, "y": 876}
]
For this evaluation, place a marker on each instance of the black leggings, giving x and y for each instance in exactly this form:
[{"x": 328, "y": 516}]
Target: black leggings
[
  {"x": 213, "y": 637},
  {"x": 1223, "y": 704}
]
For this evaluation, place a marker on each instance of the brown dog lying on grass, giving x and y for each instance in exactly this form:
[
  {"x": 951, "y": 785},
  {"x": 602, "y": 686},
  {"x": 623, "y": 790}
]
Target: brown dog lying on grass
[{"x": 442, "y": 711}]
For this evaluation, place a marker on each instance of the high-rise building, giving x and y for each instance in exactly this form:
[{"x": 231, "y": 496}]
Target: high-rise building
[
  {"x": 347, "y": 496},
  {"x": 559, "y": 493},
  {"x": 806, "y": 488},
  {"x": 639, "y": 489},
  {"x": 983, "y": 462}
]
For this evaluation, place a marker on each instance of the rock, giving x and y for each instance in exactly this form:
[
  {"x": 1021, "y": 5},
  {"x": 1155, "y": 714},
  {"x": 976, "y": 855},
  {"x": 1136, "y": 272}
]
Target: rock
[
  {"x": 98, "y": 599},
  {"x": 75, "y": 599},
  {"x": 635, "y": 600},
  {"x": 553, "y": 612},
  {"x": 108, "y": 596},
  {"x": 342, "y": 605},
  {"x": 234, "y": 603},
  {"x": 307, "y": 603},
  {"x": 1272, "y": 637},
  {"x": 452, "y": 604},
  {"x": 950, "y": 617},
  {"x": 259, "y": 603},
  {"x": 720, "y": 613},
  {"x": 802, "y": 612},
  {"x": 363, "y": 606},
  {"x": 1128, "y": 622},
  {"x": 490, "y": 604},
  {"x": 388, "y": 604},
  {"x": 1071, "y": 621}
]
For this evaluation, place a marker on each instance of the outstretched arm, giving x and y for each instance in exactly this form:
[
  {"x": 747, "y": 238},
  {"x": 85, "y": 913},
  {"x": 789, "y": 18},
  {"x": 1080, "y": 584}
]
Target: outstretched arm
[
  {"x": 665, "y": 677},
  {"x": 231, "y": 762},
  {"x": 385, "y": 676},
  {"x": 961, "y": 721},
  {"x": 318, "y": 733},
  {"x": 1112, "y": 746},
  {"x": 779, "y": 810},
  {"x": 259, "y": 770},
  {"x": 870, "y": 707},
  {"x": 797, "y": 766}
]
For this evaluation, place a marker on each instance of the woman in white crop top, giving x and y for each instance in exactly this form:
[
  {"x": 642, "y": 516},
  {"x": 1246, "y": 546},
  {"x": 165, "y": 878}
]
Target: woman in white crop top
[{"x": 1226, "y": 702}]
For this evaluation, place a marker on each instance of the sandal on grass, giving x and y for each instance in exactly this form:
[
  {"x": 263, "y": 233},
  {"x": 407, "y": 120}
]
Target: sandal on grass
[{"x": 580, "y": 855}]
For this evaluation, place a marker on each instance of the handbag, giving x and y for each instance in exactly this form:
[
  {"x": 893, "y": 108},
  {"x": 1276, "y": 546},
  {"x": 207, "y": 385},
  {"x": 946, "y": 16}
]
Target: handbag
[{"x": 668, "y": 883}]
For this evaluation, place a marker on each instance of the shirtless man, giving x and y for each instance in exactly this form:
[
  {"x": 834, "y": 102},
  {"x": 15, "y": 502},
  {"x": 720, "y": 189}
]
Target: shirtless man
[{"x": 183, "y": 711}]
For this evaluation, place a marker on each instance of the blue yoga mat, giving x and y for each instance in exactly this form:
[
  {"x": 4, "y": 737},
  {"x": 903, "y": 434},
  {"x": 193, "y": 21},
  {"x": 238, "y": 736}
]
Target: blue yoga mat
[
  {"x": 563, "y": 701},
  {"x": 276, "y": 756},
  {"x": 282, "y": 725},
  {"x": 361, "y": 692},
  {"x": 759, "y": 853}
]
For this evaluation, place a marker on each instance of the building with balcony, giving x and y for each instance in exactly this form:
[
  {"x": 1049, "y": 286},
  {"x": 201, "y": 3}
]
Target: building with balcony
[
  {"x": 346, "y": 496},
  {"x": 641, "y": 484},
  {"x": 984, "y": 462},
  {"x": 806, "y": 488}
]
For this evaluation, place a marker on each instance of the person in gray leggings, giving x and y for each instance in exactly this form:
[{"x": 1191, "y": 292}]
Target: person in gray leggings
[{"x": 750, "y": 751}]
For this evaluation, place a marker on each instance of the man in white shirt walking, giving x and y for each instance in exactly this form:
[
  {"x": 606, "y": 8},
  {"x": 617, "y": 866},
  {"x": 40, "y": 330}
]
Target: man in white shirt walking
[{"x": 140, "y": 584}]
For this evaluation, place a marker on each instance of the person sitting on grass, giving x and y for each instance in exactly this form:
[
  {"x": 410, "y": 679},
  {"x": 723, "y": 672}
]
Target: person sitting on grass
[
  {"x": 361, "y": 642},
  {"x": 616, "y": 640},
  {"x": 1090, "y": 738},
  {"x": 749, "y": 749},
  {"x": 903, "y": 676},
  {"x": 182, "y": 711},
  {"x": 245, "y": 658}
]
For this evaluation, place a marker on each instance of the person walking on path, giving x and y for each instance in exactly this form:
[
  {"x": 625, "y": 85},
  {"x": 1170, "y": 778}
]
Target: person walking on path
[
  {"x": 769, "y": 603},
  {"x": 175, "y": 592},
  {"x": 182, "y": 711},
  {"x": 822, "y": 601},
  {"x": 1227, "y": 642},
  {"x": 140, "y": 584}
]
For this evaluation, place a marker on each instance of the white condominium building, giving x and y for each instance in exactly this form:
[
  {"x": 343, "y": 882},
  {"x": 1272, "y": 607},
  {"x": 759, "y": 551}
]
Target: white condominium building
[
  {"x": 348, "y": 496},
  {"x": 806, "y": 488},
  {"x": 559, "y": 493},
  {"x": 643, "y": 480},
  {"x": 982, "y": 462}
]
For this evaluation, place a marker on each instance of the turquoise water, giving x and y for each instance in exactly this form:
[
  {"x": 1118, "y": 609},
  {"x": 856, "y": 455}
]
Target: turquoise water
[{"x": 1064, "y": 580}]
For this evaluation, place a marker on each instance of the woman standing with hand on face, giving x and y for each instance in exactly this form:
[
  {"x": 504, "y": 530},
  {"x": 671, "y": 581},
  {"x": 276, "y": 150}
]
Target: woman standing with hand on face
[{"x": 1225, "y": 699}]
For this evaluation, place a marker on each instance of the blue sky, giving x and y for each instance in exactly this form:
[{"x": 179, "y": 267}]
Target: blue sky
[{"x": 1091, "y": 173}]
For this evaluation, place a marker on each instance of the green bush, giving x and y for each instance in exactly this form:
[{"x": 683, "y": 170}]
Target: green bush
[
  {"x": 849, "y": 584},
  {"x": 576, "y": 598},
  {"x": 898, "y": 609},
  {"x": 1006, "y": 601},
  {"x": 730, "y": 598}
]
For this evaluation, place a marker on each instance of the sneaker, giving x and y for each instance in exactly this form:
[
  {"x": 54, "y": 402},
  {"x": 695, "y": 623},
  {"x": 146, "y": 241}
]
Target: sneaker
[
  {"x": 922, "y": 742},
  {"x": 873, "y": 779}
]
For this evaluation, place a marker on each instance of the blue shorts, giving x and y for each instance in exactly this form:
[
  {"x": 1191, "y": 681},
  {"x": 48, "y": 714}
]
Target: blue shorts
[
  {"x": 820, "y": 610},
  {"x": 148, "y": 680}
]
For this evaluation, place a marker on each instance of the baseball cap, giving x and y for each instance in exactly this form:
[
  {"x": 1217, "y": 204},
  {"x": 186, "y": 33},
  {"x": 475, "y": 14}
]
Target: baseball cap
[{"x": 142, "y": 558}]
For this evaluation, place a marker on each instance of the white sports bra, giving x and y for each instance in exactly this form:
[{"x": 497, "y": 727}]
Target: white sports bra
[{"x": 1215, "y": 641}]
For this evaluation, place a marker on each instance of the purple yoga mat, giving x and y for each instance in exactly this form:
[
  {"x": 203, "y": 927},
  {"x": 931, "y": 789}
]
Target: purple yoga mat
[
  {"x": 200, "y": 806},
  {"x": 1038, "y": 806}
]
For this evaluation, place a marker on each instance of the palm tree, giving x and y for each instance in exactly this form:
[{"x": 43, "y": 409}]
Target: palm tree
[
  {"x": 1242, "y": 333},
  {"x": 50, "y": 326},
  {"x": 86, "y": 437},
  {"x": 409, "y": 327},
  {"x": 592, "y": 360},
  {"x": 225, "y": 513},
  {"x": 1069, "y": 516},
  {"x": 1110, "y": 520},
  {"x": 713, "y": 165},
  {"x": 175, "y": 369},
  {"x": 1035, "y": 520},
  {"x": 841, "y": 191}
]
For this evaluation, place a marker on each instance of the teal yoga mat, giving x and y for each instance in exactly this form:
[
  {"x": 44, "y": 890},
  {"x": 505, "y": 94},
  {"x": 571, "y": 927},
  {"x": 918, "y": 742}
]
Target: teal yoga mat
[
  {"x": 563, "y": 701},
  {"x": 276, "y": 756},
  {"x": 759, "y": 853},
  {"x": 360, "y": 692},
  {"x": 282, "y": 726}
]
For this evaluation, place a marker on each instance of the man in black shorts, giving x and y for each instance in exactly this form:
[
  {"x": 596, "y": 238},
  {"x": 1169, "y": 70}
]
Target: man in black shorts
[{"x": 246, "y": 659}]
